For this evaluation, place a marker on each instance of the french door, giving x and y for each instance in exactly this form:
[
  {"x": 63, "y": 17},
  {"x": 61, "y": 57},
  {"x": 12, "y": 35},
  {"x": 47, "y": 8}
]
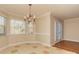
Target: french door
[{"x": 58, "y": 31}]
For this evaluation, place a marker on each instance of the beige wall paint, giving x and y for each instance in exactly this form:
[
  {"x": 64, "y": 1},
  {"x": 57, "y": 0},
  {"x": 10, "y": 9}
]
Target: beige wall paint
[
  {"x": 43, "y": 29},
  {"x": 52, "y": 29},
  {"x": 71, "y": 29},
  {"x": 3, "y": 41}
]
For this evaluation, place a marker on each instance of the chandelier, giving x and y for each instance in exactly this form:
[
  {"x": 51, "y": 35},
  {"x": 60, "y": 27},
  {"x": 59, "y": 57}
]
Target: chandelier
[{"x": 30, "y": 17}]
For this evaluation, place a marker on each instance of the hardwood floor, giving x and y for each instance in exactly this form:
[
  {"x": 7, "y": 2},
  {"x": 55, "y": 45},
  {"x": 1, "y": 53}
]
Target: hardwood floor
[{"x": 68, "y": 45}]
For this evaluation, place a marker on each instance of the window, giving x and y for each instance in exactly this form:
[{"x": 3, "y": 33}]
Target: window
[
  {"x": 2, "y": 25},
  {"x": 30, "y": 25},
  {"x": 17, "y": 27}
]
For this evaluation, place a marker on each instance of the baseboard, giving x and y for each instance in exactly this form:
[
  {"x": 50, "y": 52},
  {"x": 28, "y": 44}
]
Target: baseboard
[
  {"x": 71, "y": 40},
  {"x": 45, "y": 44}
]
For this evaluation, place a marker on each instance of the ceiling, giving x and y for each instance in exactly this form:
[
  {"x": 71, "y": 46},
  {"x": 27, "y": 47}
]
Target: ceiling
[{"x": 62, "y": 11}]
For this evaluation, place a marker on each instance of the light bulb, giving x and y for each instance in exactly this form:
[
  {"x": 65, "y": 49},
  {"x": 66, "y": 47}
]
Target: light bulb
[
  {"x": 34, "y": 16},
  {"x": 27, "y": 16},
  {"x": 24, "y": 17}
]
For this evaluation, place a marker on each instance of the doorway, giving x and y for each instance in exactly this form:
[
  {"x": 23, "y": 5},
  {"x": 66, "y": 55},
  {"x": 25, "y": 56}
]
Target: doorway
[{"x": 58, "y": 31}]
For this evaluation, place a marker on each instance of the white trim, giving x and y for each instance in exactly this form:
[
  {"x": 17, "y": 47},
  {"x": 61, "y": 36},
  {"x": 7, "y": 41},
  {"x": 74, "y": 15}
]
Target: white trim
[
  {"x": 42, "y": 34},
  {"x": 47, "y": 13},
  {"x": 45, "y": 44},
  {"x": 71, "y": 40}
]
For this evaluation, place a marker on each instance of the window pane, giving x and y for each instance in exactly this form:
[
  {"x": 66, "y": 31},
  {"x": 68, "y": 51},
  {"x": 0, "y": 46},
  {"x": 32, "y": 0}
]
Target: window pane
[
  {"x": 30, "y": 27},
  {"x": 2, "y": 25},
  {"x": 17, "y": 27}
]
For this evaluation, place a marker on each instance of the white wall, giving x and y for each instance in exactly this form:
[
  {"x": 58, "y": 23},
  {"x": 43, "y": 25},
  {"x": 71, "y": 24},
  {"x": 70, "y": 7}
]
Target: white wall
[{"x": 71, "y": 29}]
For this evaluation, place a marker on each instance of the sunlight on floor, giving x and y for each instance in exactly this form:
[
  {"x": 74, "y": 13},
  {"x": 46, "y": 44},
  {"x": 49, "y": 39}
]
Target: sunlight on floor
[{"x": 34, "y": 49}]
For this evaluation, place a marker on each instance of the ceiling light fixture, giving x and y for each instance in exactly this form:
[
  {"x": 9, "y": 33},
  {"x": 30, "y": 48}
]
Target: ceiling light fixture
[{"x": 30, "y": 17}]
